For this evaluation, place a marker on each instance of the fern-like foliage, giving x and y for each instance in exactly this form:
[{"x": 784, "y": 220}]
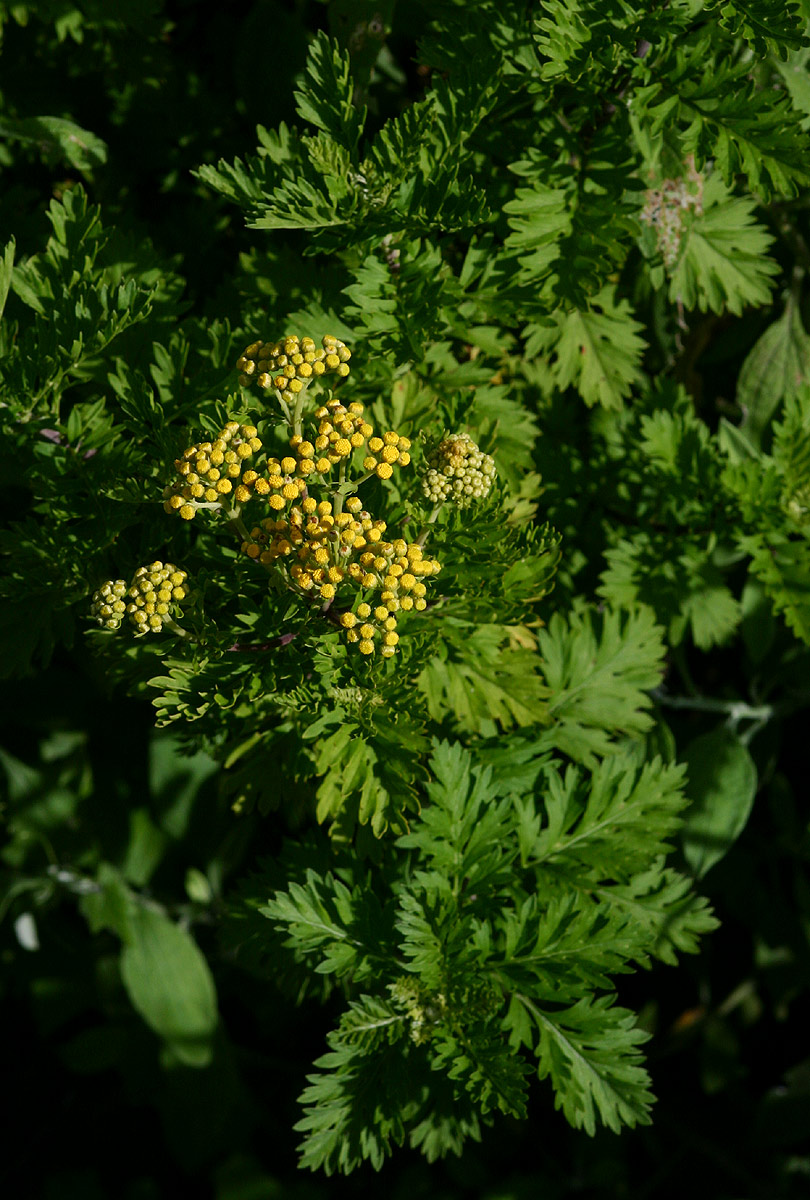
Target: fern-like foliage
[
  {"x": 491, "y": 936},
  {"x": 79, "y": 307},
  {"x": 765, "y": 24},
  {"x": 597, "y": 673},
  {"x": 597, "y": 350},
  {"x": 723, "y": 261}
]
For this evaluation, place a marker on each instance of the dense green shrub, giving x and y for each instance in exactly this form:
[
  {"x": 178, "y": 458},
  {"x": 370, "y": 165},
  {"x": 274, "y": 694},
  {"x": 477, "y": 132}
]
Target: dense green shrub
[{"x": 434, "y": 467}]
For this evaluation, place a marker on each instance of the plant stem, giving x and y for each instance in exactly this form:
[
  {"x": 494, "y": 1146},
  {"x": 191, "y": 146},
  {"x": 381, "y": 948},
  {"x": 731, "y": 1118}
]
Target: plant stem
[
  {"x": 735, "y": 710},
  {"x": 339, "y": 496},
  {"x": 282, "y": 403},
  {"x": 178, "y": 629},
  {"x": 237, "y": 524},
  {"x": 425, "y": 530},
  {"x": 298, "y": 411}
]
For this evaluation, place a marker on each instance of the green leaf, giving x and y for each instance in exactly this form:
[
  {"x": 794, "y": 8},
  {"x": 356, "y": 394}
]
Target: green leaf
[
  {"x": 777, "y": 364},
  {"x": 58, "y": 138},
  {"x": 766, "y": 24},
  {"x": 475, "y": 678},
  {"x": 325, "y": 98},
  {"x": 599, "y": 671},
  {"x": 793, "y": 69},
  {"x": 758, "y": 627},
  {"x": 663, "y": 905},
  {"x": 359, "y": 1101},
  {"x": 539, "y": 218},
  {"x": 782, "y": 564},
  {"x": 746, "y": 128},
  {"x": 462, "y": 833},
  {"x": 590, "y": 1052},
  {"x": 487, "y": 1068},
  {"x": 723, "y": 261},
  {"x": 734, "y": 443},
  {"x": 112, "y": 906},
  {"x": 176, "y": 780},
  {"x": 711, "y": 608},
  {"x": 170, "y": 985},
  {"x": 6, "y": 268},
  {"x": 146, "y": 847},
  {"x": 335, "y": 928},
  {"x": 611, "y": 824},
  {"x": 597, "y": 350},
  {"x": 722, "y": 783}
]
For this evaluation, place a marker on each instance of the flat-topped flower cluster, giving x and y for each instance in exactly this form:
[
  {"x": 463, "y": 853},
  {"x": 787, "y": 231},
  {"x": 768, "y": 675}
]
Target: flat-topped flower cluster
[{"x": 315, "y": 536}]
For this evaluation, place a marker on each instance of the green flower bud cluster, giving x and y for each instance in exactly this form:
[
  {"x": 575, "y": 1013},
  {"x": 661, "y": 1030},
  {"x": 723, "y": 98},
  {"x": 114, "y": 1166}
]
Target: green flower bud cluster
[
  {"x": 458, "y": 471},
  {"x": 666, "y": 209},
  {"x": 797, "y": 504},
  {"x": 108, "y": 605},
  {"x": 424, "y": 1010},
  {"x": 151, "y": 600},
  {"x": 291, "y": 364}
]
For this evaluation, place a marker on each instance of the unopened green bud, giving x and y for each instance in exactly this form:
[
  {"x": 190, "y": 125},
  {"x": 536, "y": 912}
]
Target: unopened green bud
[{"x": 458, "y": 472}]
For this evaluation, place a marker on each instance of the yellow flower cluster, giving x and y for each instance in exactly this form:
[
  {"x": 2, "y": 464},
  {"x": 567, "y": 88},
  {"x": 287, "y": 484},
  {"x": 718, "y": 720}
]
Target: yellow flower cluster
[
  {"x": 325, "y": 553},
  {"x": 291, "y": 364},
  {"x": 387, "y": 452},
  {"x": 341, "y": 430},
  {"x": 207, "y": 472},
  {"x": 154, "y": 594},
  {"x": 279, "y": 484},
  {"x": 458, "y": 471}
]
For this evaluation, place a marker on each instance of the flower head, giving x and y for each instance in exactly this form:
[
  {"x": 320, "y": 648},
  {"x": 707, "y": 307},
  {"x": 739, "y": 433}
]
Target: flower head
[
  {"x": 458, "y": 472},
  {"x": 209, "y": 472},
  {"x": 153, "y": 597},
  {"x": 291, "y": 364}
]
